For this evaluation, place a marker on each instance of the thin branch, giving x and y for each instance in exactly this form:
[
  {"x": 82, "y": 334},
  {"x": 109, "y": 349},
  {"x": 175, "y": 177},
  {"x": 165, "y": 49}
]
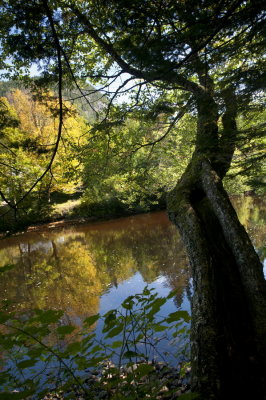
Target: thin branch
[
  {"x": 10, "y": 166},
  {"x": 183, "y": 82},
  {"x": 172, "y": 124},
  {"x": 114, "y": 96},
  {"x": 73, "y": 75},
  {"x": 60, "y": 125},
  {"x": 50, "y": 350},
  {"x": 7, "y": 201},
  {"x": 7, "y": 148}
]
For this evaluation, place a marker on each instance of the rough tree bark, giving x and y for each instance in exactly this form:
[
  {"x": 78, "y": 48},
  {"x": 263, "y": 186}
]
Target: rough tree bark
[{"x": 228, "y": 333}]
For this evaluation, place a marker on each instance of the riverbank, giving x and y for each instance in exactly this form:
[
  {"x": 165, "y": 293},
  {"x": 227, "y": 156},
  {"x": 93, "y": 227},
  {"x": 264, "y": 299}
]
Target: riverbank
[{"x": 74, "y": 211}]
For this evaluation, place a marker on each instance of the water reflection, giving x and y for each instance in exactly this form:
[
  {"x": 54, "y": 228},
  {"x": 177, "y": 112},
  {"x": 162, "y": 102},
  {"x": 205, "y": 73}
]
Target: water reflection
[
  {"x": 77, "y": 267},
  {"x": 70, "y": 269},
  {"x": 252, "y": 214}
]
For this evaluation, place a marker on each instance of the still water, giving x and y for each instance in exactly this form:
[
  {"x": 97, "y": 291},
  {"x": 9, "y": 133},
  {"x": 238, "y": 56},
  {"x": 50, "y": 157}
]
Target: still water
[{"x": 91, "y": 268}]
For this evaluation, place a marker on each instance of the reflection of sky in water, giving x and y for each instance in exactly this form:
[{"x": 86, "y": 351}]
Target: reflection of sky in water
[
  {"x": 113, "y": 297},
  {"x": 44, "y": 246}
]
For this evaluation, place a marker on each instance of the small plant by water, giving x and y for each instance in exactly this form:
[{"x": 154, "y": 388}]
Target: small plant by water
[{"x": 41, "y": 358}]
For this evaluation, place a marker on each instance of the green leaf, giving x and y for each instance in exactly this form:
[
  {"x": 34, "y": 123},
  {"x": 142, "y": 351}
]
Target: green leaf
[
  {"x": 65, "y": 330},
  {"x": 157, "y": 303},
  {"x": 93, "y": 362},
  {"x": 146, "y": 291},
  {"x": 139, "y": 337},
  {"x": 91, "y": 320},
  {"x": 115, "y": 331},
  {"x": 26, "y": 363},
  {"x": 3, "y": 317},
  {"x": 110, "y": 320},
  {"x": 177, "y": 315},
  {"x": 172, "y": 294},
  {"x": 128, "y": 303},
  {"x": 160, "y": 328},
  {"x": 129, "y": 354},
  {"x": 95, "y": 349},
  {"x": 155, "y": 307},
  {"x": 116, "y": 344},
  {"x": 17, "y": 395},
  {"x": 81, "y": 362},
  {"x": 73, "y": 348},
  {"x": 48, "y": 316},
  {"x": 110, "y": 316},
  {"x": 36, "y": 353}
]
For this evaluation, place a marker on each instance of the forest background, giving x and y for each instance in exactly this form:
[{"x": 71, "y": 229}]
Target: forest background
[{"x": 100, "y": 172}]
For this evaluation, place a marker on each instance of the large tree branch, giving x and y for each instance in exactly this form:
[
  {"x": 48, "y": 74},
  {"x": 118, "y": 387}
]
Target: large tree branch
[
  {"x": 126, "y": 67},
  {"x": 167, "y": 75}
]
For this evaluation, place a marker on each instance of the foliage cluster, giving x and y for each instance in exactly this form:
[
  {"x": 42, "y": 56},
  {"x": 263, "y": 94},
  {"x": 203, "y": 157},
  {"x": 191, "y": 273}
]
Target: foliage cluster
[
  {"x": 32, "y": 365},
  {"x": 118, "y": 168}
]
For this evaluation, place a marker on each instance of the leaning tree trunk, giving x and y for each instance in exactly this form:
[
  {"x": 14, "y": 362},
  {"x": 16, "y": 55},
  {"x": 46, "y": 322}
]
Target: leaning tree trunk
[{"x": 228, "y": 332}]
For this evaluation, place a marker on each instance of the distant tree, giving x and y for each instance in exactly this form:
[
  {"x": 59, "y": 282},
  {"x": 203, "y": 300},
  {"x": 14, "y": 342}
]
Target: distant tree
[
  {"x": 28, "y": 133},
  {"x": 209, "y": 57}
]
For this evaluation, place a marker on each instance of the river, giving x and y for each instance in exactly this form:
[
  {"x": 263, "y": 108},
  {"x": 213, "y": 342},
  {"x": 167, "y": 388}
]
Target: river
[{"x": 90, "y": 268}]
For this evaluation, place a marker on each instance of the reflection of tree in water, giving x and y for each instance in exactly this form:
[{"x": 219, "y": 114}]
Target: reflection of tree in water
[
  {"x": 146, "y": 245},
  {"x": 69, "y": 269},
  {"x": 54, "y": 276},
  {"x": 72, "y": 268},
  {"x": 251, "y": 211}
]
